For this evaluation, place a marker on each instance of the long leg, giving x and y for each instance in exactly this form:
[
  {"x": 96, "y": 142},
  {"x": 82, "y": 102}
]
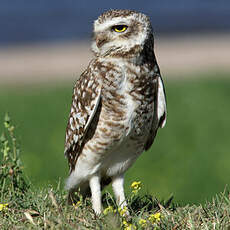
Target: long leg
[
  {"x": 118, "y": 189},
  {"x": 95, "y": 187}
]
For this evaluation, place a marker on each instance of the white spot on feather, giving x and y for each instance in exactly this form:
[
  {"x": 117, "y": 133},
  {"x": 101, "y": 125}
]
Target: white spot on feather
[
  {"x": 90, "y": 83},
  {"x": 77, "y": 115},
  {"x": 79, "y": 105},
  {"x": 71, "y": 123},
  {"x": 82, "y": 120},
  {"x": 75, "y": 137}
]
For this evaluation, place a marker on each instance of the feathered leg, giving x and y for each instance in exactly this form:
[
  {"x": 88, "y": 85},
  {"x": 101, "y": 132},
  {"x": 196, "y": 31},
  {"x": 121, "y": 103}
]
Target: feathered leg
[
  {"x": 118, "y": 189},
  {"x": 95, "y": 187}
]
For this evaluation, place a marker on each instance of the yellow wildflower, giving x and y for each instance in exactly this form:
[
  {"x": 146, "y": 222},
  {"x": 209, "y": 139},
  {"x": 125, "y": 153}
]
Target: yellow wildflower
[
  {"x": 109, "y": 209},
  {"x": 128, "y": 226},
  {"x": 3, "y": 206},
  {"x": 77, "y": 205},
  {"x": 136, "y": 185},
  {"x": 124, "y": 222},
  {"x": 143, "y": 222},
  {"x": 155, "y": 217},
  {"x": 123, "y": 211}
]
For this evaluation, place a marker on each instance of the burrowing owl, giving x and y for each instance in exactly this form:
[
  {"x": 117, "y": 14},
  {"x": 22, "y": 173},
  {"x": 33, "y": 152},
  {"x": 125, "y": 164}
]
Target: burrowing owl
[{"x": 118, "y": 104}]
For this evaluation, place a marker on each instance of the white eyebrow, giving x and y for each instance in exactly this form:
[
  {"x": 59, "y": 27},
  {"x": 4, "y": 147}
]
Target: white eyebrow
[{"x": 109, "y": 23}]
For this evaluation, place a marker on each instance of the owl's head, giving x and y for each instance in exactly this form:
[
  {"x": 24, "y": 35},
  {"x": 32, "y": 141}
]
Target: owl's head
[{"x": 120, "y": 33}]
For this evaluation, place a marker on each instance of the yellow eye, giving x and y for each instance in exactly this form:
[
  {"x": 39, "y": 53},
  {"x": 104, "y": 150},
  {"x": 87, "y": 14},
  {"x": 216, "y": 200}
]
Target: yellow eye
[{"x": 119, "y": 28}]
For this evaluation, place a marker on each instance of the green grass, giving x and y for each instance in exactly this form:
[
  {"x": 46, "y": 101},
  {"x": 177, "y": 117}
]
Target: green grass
[
  {"x": 190, "y": 157},
  {"x": 47, "y": 209},
  {"x": 22, "y": 206}
]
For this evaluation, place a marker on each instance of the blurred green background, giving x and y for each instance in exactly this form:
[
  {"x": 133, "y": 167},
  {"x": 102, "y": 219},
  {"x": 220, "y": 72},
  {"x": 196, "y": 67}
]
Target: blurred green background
[{"x": 190, "y": 157}]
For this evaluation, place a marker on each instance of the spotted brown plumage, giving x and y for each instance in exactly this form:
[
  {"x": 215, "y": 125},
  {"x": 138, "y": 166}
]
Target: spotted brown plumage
[
  {"x": 118, "y": 104},
  {"x": 85, "y": 101}
]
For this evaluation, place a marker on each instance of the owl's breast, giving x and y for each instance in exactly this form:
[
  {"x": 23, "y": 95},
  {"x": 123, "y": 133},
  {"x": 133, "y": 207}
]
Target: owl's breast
[
  {"x": 141, "y": 94},
  {"x": 128, "y": 103},
  {"x": 126, "y": 109},
  {"x": 140, "y": 114}
]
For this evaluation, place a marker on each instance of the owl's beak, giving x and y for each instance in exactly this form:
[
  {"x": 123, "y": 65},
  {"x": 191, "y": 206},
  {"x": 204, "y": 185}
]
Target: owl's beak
[{"x": 100, "y": 39}]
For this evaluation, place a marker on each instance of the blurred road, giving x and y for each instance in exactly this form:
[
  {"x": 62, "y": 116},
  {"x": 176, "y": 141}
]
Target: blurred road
[{"x": 177, "y": 56}]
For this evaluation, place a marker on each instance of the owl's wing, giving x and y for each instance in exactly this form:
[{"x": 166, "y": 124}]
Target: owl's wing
[
  {"x": 85, "y": 103},
  {"x": 161, "y": 111},
  {"x": 161, "y": 103}
]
